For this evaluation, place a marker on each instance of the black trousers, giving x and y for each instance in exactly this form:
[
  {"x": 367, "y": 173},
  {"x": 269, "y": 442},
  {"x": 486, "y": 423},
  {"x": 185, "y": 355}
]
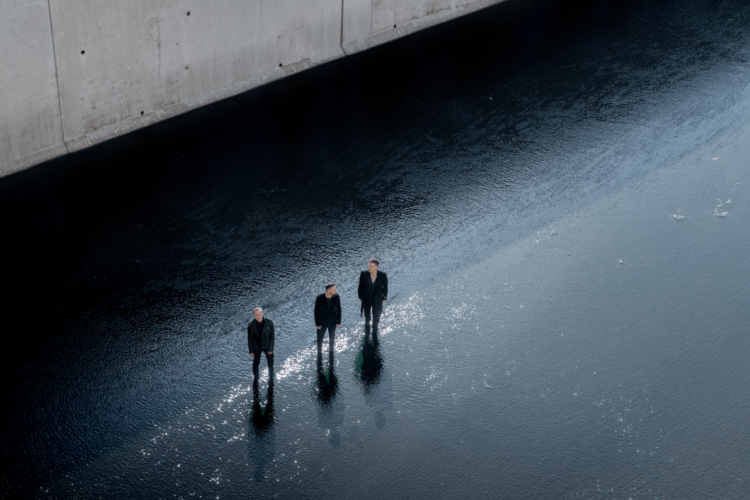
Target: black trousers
[
  {"x": 331, "y": 335},
  {"x": 256, "y": 363},
  {"x": 373, "y": 310}
]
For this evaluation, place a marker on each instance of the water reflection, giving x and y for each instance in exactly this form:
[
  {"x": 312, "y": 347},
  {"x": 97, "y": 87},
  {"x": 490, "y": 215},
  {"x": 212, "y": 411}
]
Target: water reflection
[
  {"x": 368, "y": 366},
  {"x": 143, "y": 272},
  {"x": 330, "y": 408},
  {"x": 326, "y": 383},
  {"x": 380, "y": 399},
  {"x": 261, "y": 412},
  {"x": 261, "y": 437}
]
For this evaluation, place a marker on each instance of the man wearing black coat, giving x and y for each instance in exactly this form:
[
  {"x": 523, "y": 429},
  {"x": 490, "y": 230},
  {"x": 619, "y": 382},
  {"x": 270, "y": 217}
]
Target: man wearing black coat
[
  {"x": 373, "y": 292},
  {"x": 260, "y": 338},
  {"x": 327, "y": 315}
]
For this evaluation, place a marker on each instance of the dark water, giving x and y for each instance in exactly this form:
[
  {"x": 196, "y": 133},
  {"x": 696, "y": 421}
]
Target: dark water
[{"x": 558, "y": 191}]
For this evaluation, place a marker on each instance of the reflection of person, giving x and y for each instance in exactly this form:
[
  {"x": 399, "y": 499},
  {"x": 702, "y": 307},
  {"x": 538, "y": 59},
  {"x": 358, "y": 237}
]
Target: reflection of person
[
  {"x": 327, "y": 315},
  {"x": 328, "y": 383},
  {"x": 261, "y": 416},
  {"x": 261, "y": 437},
  {"x": 373, "y": 292},
  {"x": 369, "y": 362},
  {"x": 260, "y": 338},
  {"x": 330, "y": 407}
]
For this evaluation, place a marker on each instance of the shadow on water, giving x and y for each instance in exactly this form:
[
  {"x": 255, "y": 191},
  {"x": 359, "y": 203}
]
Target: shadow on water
[{"x": 261, "y": 435}]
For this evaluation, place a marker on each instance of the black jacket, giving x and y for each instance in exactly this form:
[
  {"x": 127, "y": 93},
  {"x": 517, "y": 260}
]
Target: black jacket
[
  {"x": 267, "y": 336},
  {"x": 381, "y": 287},
  {"x": 322, "y": 314}
]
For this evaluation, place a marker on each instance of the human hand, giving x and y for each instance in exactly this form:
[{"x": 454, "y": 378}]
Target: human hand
[
  {"x": 270, "y": 353},
  {"x": 320, "y": 327},
  {"x": 337, "y": 326},
  {"x": 252, "y": 355},
  {"x": 360, "y": 300},
  {"x": 383, "y": 301}
]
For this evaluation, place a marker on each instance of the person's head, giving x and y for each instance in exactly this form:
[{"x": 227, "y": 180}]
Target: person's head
[
  {"x": 258, "y": 313},
  {"x": 373, "y": 266},
  {"x": 330, "y": 289}
]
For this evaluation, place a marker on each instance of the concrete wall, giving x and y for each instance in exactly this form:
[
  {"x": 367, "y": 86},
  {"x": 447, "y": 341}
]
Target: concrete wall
[
  {"x": 77, "y": 72},
  {"x": 368, "y": 23}
]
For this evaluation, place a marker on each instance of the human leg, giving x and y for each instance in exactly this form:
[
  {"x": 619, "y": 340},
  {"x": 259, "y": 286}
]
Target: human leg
[
  {"x": 269, "y": 362},
  {"x": 256, "y": 363},
  {"x": 331, "y": 336},
  {"x": 377, "y": 309},
  {"x": 321, "y": 334},
  {"x": 368, "y": 315}
]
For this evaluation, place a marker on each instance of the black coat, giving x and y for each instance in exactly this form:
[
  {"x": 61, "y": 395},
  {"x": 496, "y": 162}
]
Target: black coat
[
  {"x": 266, "y": 337},
  {"x": 323, "y": 315},
  {"x": 381, "y": 287}
]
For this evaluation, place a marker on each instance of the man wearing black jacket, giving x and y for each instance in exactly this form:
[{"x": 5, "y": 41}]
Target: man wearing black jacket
[
  {"x": 260, "y": 338},
  {"x": 327, "y": 315},
  {"x": 373, "y": 292}
]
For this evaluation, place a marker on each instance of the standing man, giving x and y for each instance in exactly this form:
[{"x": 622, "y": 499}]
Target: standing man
[
  {"x": 260, "y": 338},
  {"x": 373, "y": 292},
  {"x": 327, "y": 315}
]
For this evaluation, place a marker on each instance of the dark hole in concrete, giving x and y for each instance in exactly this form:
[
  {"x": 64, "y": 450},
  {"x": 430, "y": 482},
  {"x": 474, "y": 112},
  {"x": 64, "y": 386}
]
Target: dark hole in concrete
[
  {"x": 394, "y": 25},
  {"x": 83, "y": 52},
  {"x": 188, "y": 13},
  {"x": 141, "y": 113},
  {"x": 279, "y": 65}
]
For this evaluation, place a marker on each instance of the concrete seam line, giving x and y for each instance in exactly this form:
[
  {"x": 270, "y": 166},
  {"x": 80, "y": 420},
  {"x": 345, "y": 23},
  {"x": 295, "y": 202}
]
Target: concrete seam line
[
  {"x": 341, "y": 39},
  {"x": 57, "y": 77}
]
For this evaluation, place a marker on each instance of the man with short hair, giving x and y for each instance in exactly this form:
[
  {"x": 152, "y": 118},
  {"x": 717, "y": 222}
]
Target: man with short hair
[
  {"x": 373, "y": 292},
  {"x": 327, "y": 315},
  {"x": 260, "y": 338}
]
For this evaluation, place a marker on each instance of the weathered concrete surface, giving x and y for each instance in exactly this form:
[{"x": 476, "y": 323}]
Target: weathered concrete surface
[
  {"x": 368, "y": 23},
  {"x": 77, "y": 72},
  {"x": 124, "y": 64},
  {"x": 30, "y": 125}
]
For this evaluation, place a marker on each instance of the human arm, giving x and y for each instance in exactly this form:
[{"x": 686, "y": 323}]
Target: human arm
[
  {"x": 385, "y": 287},
  {"x": 318, "y": 320},
  {"x": 250, "y": 339},
  {"x": 360, "y": 288},
  {"x": 338, "y": 310},
  {"x": 272, "y": 338}
]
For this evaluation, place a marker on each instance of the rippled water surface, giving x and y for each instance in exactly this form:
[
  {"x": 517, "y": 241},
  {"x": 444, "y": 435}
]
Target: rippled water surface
[{"x": 558, "y": 191}]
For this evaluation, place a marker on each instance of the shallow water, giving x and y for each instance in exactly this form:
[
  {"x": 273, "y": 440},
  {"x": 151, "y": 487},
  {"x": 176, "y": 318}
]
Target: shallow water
[{"x": 557, "y": 191}]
